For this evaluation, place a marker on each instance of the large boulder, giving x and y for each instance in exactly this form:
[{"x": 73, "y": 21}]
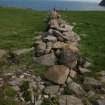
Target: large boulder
[
  {"x": 68, "y": 58},
  {"x": 48, "y": 59},
  {"x": 69, "y": 100},
  {"x": 57, "y": 74}
]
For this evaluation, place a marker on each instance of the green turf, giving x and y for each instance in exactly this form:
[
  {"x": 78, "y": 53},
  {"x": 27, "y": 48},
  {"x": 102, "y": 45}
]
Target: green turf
[
  {"x": 91, "y": 27},
  {"x": 18, "y": 28}
]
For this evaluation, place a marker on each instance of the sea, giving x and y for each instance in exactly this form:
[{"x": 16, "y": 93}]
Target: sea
[{"x": 45, "y": 5}]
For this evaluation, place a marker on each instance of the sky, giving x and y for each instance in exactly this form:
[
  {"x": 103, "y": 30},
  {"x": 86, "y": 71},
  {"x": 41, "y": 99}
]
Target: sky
[
  {"x": 76, "y": 0},
  {"x": 81, "y": 0},
  {"x": 66, "y": 0},
  {"x": 84, "y": 0}
]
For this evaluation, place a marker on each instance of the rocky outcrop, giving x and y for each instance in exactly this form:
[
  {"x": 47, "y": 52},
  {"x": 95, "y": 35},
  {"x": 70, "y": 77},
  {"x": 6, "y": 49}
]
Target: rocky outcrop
[{"x": 102, "y": 3}]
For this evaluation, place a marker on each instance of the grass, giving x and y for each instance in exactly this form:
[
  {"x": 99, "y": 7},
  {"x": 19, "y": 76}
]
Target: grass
[
  {"x": 91, "y": 27},
  {"x": 18, "y": 27}
]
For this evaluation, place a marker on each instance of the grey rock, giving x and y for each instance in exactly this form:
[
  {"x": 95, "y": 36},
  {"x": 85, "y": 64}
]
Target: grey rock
[
  {"x": 102, "y": 79},
  {"x": 91, "y": 94},
  {"x": 65, "y": 28},
  {"x": 52, "y": 90},
  {"x": 14, "y": 82},
  {"x": 2, "y": 53},
  {"x": 23, "y": 51},
  {"x": 90, "y": 82},
  {"x": 69, "y": 80},
  {"x": 76, "y": 89},
  {"x": 50, "y": 38},
  {"x": 1, "y": 82},
  {"x": 69, "y": 100},
  {"x": 40, "y": 48},
  {"x": 58, "y": 45},
  {"x": 73, "y": 74},
  {"x": 59, "y": 34},
  {"x": 57, "y": 74},
  {"x": 49, "y": 47},
  {"x": 48, "y": 59},
  {"x": 101, "y": 73},
  {"x": 87, "y": 64},
  {"x": 68, "y": 58},
  {"x": 100, "y": 102},
  {"x": 84, "y": 70}
]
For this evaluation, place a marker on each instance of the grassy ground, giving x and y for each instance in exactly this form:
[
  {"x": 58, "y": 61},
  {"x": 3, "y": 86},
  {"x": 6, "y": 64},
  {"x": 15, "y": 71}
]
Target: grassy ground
[
  {"x": 18, "y": 28},
  {"x": 91, "y": 27}
]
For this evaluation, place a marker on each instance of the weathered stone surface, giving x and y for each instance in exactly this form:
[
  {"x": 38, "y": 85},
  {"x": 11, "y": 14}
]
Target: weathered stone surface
[
  {"x": 2, "y": 53},
  {"x": 53, "y": 24},
  {"x": 13, "y": 82},
  {"x": 50, "y": 38},
  {"x": 52, "y": 90},
  {"x": 68, "y": 58},
  {"x": 76, "y": 89},
  {"x": 48, "y": 59},
  {"x": 73, "y": 48},
  {"x": 87, "y": 64},
  {"x": 49, "y": 47},
  {"x": 91, "y": 94},
  {"x": 73, "y": 74},
  {"x": 100, "y": 102},
  {"x": 40, "y": 48},
  {"x": 69, "y": 80},
  {"x": 59, "y": 34},
  {"x": 1, "y": 82},
  {"x": 84, "y": 70},
  {"x": 91, "y": 83},
  {"x": 101, "y": 73},
  {"x": 23, "y": 51},
  {"x": 69, "y": 100},
  {"x": 58, "y": 45},
  {"x": 57, "y": 74},
  {"x": 102, "y": 79}
]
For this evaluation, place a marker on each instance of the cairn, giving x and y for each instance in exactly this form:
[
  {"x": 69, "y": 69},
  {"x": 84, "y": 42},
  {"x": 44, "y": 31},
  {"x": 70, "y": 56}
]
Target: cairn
[{"x": 59, "y": 45}]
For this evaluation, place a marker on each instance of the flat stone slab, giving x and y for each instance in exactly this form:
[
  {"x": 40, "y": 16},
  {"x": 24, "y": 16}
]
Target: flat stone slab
[
  {"x": 69, "y": 100},
  {"x": 57, "y": 74}
]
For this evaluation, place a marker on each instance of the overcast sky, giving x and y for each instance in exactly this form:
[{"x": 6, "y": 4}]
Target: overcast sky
[
  {"x": 79, "y": 0},
  {"x": 58, "y": 0}
]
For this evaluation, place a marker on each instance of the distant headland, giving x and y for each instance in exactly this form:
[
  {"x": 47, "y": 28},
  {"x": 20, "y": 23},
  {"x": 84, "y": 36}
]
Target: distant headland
[{"x": 102, "y": 3}]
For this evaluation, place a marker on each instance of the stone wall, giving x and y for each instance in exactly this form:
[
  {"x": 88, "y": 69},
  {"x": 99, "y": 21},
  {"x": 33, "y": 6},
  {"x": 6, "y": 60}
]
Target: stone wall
[{"x": 67, "y": 80}]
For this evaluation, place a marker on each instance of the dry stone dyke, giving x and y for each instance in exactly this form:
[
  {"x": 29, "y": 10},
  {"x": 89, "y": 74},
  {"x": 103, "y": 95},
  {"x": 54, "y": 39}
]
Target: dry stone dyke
[{"x": 65, "y": 79}]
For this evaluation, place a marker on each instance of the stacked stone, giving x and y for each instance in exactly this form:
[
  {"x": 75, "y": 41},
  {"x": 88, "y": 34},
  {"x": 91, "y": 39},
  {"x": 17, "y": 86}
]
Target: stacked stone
[{"x": 58, "y": 45}]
